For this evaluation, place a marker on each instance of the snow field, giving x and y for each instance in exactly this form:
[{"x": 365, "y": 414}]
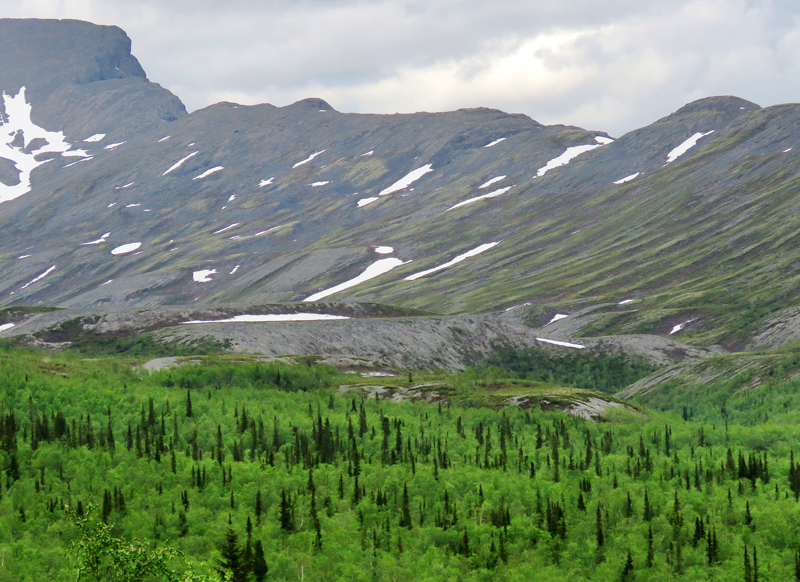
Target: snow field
[
  {"x": 560, "y": 343},
  {"x": 458, "y": 259},
  {"x": 126, "y": 248},
  {"x": 376, "y": 269},
  {"x": 203, "y": 276},
  {"x": 685, "y": 146},
  {"x": 407, "y": 180},
  {"x": 493, "y": 194},
  {"x": 39, "y": 278},
  {"x": 207, "y": 173},
  {"x": 308, "y": 159},
  {"x": 490, "y": 182}
]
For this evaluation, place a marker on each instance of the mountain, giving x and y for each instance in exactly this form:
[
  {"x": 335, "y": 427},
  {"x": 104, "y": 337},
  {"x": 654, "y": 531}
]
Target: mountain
[{"x": 685, "y": 228}]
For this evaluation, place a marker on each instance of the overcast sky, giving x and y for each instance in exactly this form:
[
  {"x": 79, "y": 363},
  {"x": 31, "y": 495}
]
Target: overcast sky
[{"x": 612, "y": 65}]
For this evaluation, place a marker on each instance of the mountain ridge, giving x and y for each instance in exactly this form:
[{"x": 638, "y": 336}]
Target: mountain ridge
[{"x": 483, "y": 210}]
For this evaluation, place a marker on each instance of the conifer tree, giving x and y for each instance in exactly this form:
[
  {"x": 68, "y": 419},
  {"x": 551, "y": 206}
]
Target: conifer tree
[
  {"x": 260, "y": 568},
  {"x": 232, "y": 561}
]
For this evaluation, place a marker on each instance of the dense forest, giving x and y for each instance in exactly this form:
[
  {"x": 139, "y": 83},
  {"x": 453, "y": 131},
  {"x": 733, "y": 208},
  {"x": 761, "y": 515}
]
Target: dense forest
[{"x": 253, "y": 470}]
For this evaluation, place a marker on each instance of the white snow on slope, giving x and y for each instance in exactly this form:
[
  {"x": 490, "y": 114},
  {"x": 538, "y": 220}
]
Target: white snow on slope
[
  {"x": 458, "y": 259},
  {"x": 207, "y": 173},
  {"x": 365, "y": 201},
  {"x": 6, "y": 326},
  {"x": 489, "y": 195},
  {"x": 494, "y": 143},
  {"x": 626, "y": 301},
  {"x": 17, "y": 124},
  {"x": 79, "y": 161},
  {"x": 271, "y": 318},
  {"x": 126, "y": 248},
  {"x": 263, "y": 183},
  {"x": 203, "y": 276},
  {"x": 490, "y": 182},
  {"x": 369, "y": 153},
  {"x": 628, "y": 178},
  {"x": 179, "y": 163},
  {"x": 132, "y": 205},
  {"x": 566, "y": 157},
  {"x": 95, "y": 137},
  {"x": 113, "y": 146},
  {"x": 236, "y": 268},
  {"x": 165, "y": 138},
  {"x": 602, "y": 140},
  {"x": 308, "y": 159},
  {"x": 407, "y": 180},
  {"x": 100, "y": 240},
  {"x": 318, "y": 184},
  {"x": 562, "y": 344},
  {"x": 226, "y": 228},
  {"x": 128, "y": 185},
  {"x": 680, "y": 326},
  {"x": 39, "y": 278},
  {"x": 384, "y": 250},
  {"x": 685, "y": 146},
  {"x": 556, "y": 317},
  {"x": 246, "y": 236},
  {"x": 377, "y": 268},
  {"x": 23, "y": 257}
]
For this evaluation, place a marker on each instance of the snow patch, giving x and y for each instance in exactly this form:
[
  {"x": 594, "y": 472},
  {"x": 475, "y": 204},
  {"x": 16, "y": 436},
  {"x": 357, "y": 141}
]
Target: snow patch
[
  {"x": 566, "y": 157},
  {"x": 106, "y": 283},
  {"x": 407, "y": 180},
  {"x": 786, "y": 151},
  {"x": 271, "y": 318},
  {"x": 232, "y": 198},
  {"x": 113, "y": 146},
  {"x": 79, "y": 161},
  {"x": 100, "y": 240},
  {"x": 226, "y": 228},
  {"x": 165, "y": 138},
  {"x": 603, "y": 140},
  {"x": 499, "y": 192},
  {"x": 263, "y": 183},
  {"x": 559, "y": 343},
  {"x": 680, "y": 326},
  {"x": 318, "y": 184},
  {"x": 132, "y": 205},
  {"x": 236, "y": 268},
  {"x": 203, "y": 276},
  {"x": 628, "y": 178},
  {"x": 126, "y": 248},
  {"x": 556, "y": 317},
  {"x": 179, "y": 163},
  {"x": 128, "y": 185},
  {"x": 377, "y": 268},
  {"x": 369, "y": 153},
  {"x": 23, "y": 257},
  {"x": 685, "y": 146},
  {"x": 494, "y": 143},
  {"x": 308, "y": 159},
  {"x": 626, "y": 301},
  {"x": 6, "y": 326},
  {"x": 458, "y": 259},
  {"x": 39, "y": 278},
  {"x": 96, "y": 137},
  {"x": 17, "y": 123},
  {"x": 365, "y": 201},
  {"x": 207, "y": 173},
  {"x": 490, "y": 182},
  {"x": 384, "y": 250}
]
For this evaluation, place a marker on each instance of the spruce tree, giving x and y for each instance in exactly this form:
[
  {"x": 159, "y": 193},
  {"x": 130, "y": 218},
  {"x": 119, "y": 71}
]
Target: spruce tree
[
  {"x": 260, "y": 568},
  {"x": 232, "y": 561}
]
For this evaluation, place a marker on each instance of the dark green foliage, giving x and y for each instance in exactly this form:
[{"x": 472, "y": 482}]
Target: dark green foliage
[
  {"x": 232, "y": 562},
  {"x": 585, "y": 369}
]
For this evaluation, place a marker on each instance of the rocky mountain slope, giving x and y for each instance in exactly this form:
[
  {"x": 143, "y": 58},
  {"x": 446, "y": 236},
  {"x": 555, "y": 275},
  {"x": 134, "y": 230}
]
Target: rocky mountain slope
[{"x": 686, "y": 228}]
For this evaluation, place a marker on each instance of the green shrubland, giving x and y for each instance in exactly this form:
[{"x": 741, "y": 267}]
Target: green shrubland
[{"x": 263, "y": 471}]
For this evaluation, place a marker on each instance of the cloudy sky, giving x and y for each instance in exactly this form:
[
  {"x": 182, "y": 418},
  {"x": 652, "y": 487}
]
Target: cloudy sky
[{"x": 611, "y": 65}]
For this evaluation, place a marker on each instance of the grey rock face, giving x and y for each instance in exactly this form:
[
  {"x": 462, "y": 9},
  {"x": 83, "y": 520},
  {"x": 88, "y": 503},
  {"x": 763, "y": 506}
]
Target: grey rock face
[{"x": 266, "y": 204}]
